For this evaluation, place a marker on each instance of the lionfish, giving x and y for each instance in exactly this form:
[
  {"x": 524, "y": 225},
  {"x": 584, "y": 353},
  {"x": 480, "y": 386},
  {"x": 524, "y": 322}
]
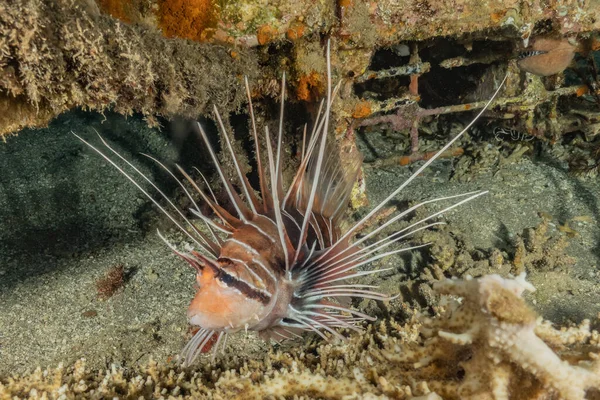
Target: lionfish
[{"x": 279, "y": 264}]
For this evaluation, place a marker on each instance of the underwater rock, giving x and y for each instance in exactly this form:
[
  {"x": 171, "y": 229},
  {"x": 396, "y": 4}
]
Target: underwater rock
[{"x": 59, "y": 55}]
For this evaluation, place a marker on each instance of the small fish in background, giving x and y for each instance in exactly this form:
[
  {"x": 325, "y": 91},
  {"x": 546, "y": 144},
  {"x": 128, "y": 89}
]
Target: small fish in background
[
  {"x": 547, "y": 56},
  {"x": 502, "y": 132},
  {"x": 280, "y": 264}
]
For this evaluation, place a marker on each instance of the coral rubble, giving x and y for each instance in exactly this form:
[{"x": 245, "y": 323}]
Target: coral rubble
[
  {"x": 490, "y": 341},
  {"x": 485, "y": 343},
  {"x": 58, "y": 55}
]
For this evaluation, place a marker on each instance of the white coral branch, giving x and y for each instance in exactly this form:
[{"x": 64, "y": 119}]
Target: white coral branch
[{"x": 502, "y": 337}]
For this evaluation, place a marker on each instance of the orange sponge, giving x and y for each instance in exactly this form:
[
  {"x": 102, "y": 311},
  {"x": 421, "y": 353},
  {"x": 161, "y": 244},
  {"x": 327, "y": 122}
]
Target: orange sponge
[{"x": 188, "y": 19}]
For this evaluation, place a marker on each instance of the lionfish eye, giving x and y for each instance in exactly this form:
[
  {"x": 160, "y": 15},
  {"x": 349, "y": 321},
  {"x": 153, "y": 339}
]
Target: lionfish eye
[{"x": 226, "y": 278}]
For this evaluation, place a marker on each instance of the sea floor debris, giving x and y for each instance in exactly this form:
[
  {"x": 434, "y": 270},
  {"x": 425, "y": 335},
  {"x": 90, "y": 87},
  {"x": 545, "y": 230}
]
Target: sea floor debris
[{"x": 484, "y": 342}]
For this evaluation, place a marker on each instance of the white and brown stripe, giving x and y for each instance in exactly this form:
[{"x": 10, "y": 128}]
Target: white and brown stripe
[{"x": 280, "y": 264}]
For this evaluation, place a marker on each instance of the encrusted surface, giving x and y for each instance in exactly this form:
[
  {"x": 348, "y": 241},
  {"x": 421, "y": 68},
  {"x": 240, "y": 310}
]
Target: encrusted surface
[
  {"x": 58, "y": 55},
  {"x": 361, "y": 24}
]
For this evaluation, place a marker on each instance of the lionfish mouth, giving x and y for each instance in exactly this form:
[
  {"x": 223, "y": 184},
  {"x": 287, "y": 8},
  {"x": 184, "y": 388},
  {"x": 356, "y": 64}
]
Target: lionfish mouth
[{"x": 279, "y": 263}]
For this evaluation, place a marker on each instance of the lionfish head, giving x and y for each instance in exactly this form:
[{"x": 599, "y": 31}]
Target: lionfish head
[
  {"x": 226, "y": 299},
  {"x": 220, "y": 306}
]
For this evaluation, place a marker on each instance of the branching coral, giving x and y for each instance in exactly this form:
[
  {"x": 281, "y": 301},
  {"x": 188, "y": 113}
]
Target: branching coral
[
  {"x": 536, "y": 250},
  {"x": 487, "y": 346}
]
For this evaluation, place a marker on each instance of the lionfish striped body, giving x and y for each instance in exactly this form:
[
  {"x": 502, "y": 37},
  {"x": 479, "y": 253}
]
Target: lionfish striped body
[{"x": 279, "y": 264}]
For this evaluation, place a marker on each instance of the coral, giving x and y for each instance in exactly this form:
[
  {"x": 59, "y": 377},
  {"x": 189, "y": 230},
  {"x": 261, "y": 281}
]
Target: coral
[
  {"x": 57, "y": 55},
  {"x": 310, "y": 71},
  {"x": 363, "y": 24},
  {"x": 535, "y": 250},
  {"x": 361, "y": 110},
  {"x": 488, "y": 346},
  {"x": 452, "y": 255},
  {"x": 64, "y": 54},
  {"x": 295, "y": 30},
  {"x": 17, "y": 113},
  {"x": 357, "y": 29},
  {"x": 585, "y": 162},
  {"x": 266, "y": 34},
  {"x": 532, "y": 251},
  {"x": 116, "y": 8},
  {"x": 484, "y": 158},
  {"x": 485, "y": 343},
  {"x": 309, "y": 86}
]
